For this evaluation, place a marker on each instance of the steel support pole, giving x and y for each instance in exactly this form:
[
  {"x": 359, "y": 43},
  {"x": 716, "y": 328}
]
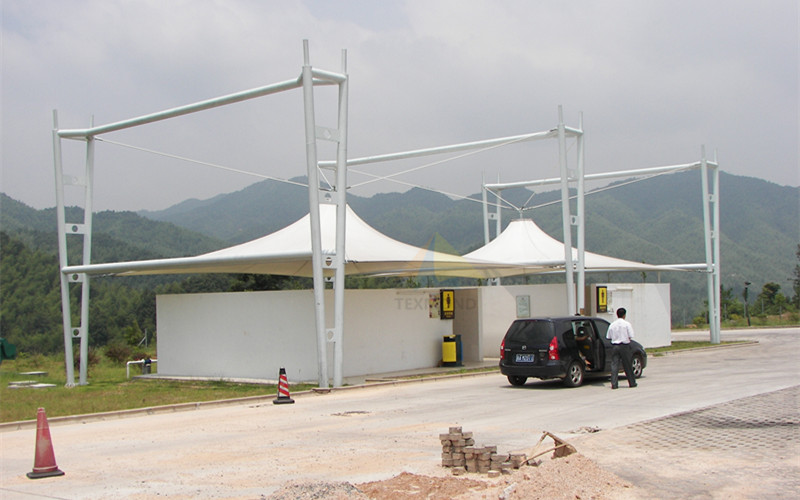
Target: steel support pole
[
  {"x": 313, "y": 208},
  {"x": 581, "y": 225},
  {"x": 87, "y": 258},
  {"x": 565, "y": 213},
  {"x": 66, "y": 310},
  {"x": 498, "y": 217},
  {"x": 485, "y": 200},
  {"x": 341, "y": 218},
  {"x": 715, "y": 239},
  {"x": 707, "y": 230}
]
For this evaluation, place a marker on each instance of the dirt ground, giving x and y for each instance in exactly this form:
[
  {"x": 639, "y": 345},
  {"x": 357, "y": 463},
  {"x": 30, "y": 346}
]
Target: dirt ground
[{"x": 571, "y": 477}]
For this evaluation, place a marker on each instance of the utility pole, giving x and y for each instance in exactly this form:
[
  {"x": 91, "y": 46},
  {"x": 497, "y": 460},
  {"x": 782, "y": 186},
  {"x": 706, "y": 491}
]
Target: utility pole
[{"x": 746, "y": 309}]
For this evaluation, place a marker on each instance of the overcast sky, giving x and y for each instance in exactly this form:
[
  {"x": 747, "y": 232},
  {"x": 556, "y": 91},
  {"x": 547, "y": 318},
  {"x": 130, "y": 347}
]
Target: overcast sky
[{"x": 654, "y": 81}]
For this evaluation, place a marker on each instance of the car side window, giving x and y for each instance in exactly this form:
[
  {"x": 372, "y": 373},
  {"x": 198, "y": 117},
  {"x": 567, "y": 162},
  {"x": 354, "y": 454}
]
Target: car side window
[
  {"x": 602, "y": 329},
  {"x": 582, "y": 327},
  {"x": 568, "y": 334}
]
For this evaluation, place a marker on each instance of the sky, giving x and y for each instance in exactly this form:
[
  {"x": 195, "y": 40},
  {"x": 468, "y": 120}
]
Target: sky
[{"x": 652, "y": 82}]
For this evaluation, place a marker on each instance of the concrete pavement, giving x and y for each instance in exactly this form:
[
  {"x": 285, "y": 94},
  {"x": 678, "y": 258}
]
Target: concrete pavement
[{"x": 248, "y": 449}]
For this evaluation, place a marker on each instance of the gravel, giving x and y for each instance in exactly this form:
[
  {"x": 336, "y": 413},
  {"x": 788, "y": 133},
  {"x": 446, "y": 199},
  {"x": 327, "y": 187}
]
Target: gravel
[{"x": 572, "y": 477}]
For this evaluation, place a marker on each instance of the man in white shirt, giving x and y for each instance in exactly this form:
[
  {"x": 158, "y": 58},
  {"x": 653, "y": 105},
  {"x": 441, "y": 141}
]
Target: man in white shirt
[{"x": 620, "y": 332}]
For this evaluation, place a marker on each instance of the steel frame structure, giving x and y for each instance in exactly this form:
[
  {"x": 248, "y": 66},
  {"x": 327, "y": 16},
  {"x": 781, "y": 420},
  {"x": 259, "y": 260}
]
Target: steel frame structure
[
  {"x": 309, "y": 78},
  {"x": 710, "y": 219}
]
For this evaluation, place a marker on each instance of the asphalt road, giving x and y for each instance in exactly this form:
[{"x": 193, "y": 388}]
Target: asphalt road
[{"x": 362, "y": 434}]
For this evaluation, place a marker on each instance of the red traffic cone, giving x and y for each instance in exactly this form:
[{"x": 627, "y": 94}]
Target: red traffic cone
[
  {"x": 44, "y": 463},
  {"x": 283, "y": 390}
]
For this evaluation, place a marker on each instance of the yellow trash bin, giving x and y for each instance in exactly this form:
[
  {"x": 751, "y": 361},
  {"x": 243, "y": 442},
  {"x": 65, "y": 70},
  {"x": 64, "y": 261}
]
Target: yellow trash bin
[{"x": 449, "y": 352}]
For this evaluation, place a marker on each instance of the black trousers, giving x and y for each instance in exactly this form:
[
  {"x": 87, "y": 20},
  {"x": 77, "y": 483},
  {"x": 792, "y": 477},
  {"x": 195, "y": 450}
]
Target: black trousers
[{"x": 621, "y": 352}]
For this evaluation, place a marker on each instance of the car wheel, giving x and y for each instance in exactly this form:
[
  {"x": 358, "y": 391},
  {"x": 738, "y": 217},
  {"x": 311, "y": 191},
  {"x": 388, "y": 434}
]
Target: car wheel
[
  {"x": 574, "y": 376},
  {"x": 638, "y": 365},
  {"x": 517, "y": 380}
]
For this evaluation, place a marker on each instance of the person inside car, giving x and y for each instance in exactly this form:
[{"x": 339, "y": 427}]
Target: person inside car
[{"x": 584, "y": 342}]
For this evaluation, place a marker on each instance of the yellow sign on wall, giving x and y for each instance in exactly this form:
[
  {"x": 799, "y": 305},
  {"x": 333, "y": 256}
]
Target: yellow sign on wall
[
  {"x": 602, "y": 299},
  {"x": 448, "y": 304}
]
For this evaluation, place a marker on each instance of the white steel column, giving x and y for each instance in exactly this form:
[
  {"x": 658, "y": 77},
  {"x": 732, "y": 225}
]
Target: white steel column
[
  {"x": 485, "y": 212},
  {"x": 84, "y": 229},
  {"x": 313, "y": 207},
  {"x": 498, "y": 217},
  {"x": 712, "y": 295},
  {"x": 717, "y": 282},
  {"x": 341, "y": 218},
  {"x": 581, "y": 225},
  {"x": 87, "y": 258},
  {"x": 565, "y": 214},
  {"x": 66, "y": 314}
]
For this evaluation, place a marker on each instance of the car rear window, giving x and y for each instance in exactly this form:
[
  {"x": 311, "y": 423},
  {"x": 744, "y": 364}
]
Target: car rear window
[{"x": 531, "y": 332}]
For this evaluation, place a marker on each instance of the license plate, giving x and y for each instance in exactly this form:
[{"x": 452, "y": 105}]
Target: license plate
[{"x": 525, "y": 358}]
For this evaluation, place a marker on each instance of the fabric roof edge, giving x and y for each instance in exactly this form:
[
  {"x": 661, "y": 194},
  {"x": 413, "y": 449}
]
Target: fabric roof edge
[{"x": 175, "y": 265}]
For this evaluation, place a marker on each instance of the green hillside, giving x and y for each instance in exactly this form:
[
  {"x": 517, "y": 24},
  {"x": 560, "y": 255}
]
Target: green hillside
[{"x": 30, "y": 296}]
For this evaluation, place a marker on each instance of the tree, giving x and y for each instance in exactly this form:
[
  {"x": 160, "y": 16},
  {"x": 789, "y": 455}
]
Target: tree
[
  {"x": 729, "y": 305},
  {"x": 30, "y": 301},
  {"x": 771, "y": 299},
  {"x": 133, "y": 334},
  {"x": 256, "y": 282}
]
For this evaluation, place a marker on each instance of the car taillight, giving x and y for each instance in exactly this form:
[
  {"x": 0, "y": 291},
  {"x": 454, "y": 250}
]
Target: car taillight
[
  {"x": 503, "y": 349},
  {"x": 552, "y": 352}
]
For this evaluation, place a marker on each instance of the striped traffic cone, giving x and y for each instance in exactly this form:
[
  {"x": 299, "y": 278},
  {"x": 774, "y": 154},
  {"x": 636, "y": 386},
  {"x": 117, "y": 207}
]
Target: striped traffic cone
[
  {"x": 283, "y": 390},
  {"x": 44, "y": 463}
]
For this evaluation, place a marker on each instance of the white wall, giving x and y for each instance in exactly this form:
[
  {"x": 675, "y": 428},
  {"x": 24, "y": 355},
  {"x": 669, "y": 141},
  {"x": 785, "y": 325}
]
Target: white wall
[
  {"x": 249, "y": 335},
  {"x": 648, "y": 309},
  {"x": 498, "y": 309},
  {"x": 390, "y": 330},
  {"x": 254, "y": 334}
]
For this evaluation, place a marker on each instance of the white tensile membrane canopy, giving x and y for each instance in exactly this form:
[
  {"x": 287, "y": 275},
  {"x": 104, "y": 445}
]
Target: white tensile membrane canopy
[
  {"x": 525, "y": 248},
  {"x": 522, "y": 248},
  {"x": 287, "y": 252}
]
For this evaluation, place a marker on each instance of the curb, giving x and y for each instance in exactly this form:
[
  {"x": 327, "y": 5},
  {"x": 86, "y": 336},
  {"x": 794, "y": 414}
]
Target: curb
[{"x": 745, "y": 343}]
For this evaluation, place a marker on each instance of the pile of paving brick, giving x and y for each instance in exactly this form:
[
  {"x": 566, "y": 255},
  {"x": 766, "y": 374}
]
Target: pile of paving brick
[{"x": 460, "y": 453}]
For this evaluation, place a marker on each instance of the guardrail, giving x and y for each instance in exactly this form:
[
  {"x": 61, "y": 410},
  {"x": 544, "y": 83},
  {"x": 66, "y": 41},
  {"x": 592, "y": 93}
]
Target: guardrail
[{"x": 142, "y": 362}]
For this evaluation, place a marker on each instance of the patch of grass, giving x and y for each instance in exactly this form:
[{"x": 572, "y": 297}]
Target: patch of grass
[
  {"x": 108, "y": 389},
  {"x": 678, "y": 345}
]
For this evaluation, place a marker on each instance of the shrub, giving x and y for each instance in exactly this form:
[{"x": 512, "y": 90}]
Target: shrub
[
  {"x": 27, "y": 361},
  {"x": 118, "y": 352},
  {"x": 140, "y": 355},
  {"x": 92, "y": 358}
]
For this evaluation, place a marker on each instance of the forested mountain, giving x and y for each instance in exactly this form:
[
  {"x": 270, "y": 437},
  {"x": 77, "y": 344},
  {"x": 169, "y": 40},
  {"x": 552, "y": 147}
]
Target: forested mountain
[
  {"x": 658, "y": 220},
  {"x": 124, "y": 235},
  {"x": 30, "y": 293}
]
